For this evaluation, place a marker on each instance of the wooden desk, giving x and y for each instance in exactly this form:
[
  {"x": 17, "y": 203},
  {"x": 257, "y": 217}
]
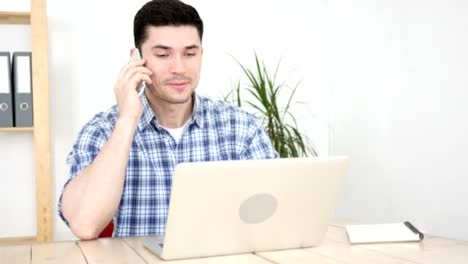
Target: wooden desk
[{"x": 335, "y": 249}]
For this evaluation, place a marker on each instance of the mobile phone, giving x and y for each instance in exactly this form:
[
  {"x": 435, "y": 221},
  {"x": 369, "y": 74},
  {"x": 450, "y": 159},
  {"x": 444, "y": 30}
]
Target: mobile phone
[{"x": 137, "y": 56}]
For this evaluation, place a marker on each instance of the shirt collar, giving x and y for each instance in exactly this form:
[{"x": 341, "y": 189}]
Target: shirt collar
[
  {"x": 148, "y": 114},
  {"x": 197, "y": 115}
]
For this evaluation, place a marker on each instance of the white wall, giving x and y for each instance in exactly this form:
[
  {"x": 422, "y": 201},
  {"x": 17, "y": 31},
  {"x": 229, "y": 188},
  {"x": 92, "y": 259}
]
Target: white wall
[
  {"x": 399, "y": 84},
  {"x": 87, "y": 47}
]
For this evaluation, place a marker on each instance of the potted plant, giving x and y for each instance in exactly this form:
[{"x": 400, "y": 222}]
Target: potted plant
[{"x": 280, "y": 124}]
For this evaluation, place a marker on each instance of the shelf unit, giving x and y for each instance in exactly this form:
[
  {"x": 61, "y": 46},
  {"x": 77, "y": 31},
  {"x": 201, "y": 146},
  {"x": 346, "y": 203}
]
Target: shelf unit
[{"x": 37, "y": 18}]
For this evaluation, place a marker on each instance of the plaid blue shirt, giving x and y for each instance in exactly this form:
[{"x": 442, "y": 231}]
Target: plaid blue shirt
[{"x": 216, "y": 131}]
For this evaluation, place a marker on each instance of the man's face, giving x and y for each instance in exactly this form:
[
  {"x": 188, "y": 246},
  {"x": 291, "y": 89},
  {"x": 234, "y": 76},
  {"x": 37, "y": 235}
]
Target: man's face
[{"x": 173, "y": 54}]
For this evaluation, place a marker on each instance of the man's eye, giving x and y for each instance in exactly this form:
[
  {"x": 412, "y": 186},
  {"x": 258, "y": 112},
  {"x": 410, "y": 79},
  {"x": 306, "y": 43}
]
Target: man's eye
[
  {"x": 191, "y": 54},
  {"x": 161, "y": 55}
]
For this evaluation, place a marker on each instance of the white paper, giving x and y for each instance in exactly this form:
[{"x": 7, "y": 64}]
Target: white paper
[{"x": 397, "y": 232}]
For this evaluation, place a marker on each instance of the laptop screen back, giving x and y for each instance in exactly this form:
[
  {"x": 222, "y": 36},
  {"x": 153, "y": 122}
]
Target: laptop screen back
[{"x": 229, "y": 207}]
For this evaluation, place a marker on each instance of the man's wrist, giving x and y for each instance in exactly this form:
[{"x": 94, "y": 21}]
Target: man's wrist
[{"x": 127, "y": 122}]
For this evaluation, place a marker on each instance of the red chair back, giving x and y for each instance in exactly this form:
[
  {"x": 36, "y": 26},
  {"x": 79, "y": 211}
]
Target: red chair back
[{"x": 107, "y": 232}]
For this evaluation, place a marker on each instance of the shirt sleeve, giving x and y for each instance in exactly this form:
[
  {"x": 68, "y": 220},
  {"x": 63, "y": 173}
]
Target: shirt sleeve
[
  {"x": 258, "y": 144},
  {"x": 87, "y": 146}
]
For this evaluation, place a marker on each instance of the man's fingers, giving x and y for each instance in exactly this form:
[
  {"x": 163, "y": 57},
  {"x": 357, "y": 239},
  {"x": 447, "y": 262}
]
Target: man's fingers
[
  {"x": 126, "y": 68},
  {"x": 130, "y": 71},
  {"x": 137, "y": 78},
  {"x": 136, "y": 70},
  {"x": 137, "y": 63},
  {"x": 144, "y": 70}
]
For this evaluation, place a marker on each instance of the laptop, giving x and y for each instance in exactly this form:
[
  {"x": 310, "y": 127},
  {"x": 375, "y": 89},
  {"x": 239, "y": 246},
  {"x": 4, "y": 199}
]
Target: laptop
[{"x": 232, "y": 207}]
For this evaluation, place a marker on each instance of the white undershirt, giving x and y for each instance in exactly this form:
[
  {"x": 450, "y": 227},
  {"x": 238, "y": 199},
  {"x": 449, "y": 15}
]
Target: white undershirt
[{"x": 176, "y": 133}]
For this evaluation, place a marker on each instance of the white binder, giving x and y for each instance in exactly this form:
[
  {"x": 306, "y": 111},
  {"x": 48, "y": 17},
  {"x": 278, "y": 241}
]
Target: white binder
[
  {"x": 6, "y": 98},
  {"x": 22, "y": 78}
]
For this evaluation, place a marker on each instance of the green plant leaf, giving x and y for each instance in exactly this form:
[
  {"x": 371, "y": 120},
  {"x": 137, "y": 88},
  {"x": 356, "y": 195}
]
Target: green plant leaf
[{"x": 279, "y": 123}]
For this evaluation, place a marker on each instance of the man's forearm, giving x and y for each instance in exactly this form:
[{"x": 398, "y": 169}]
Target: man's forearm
[{"x": 90, "y": 200}]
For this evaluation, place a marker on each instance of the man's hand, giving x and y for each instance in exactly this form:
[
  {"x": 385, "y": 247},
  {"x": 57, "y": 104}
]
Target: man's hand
[{"x": 125, "y": 89}]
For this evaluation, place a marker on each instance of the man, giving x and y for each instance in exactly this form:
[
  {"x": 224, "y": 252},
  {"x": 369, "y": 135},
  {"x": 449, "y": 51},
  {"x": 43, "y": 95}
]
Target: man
[{"x": 123, "y": 160}]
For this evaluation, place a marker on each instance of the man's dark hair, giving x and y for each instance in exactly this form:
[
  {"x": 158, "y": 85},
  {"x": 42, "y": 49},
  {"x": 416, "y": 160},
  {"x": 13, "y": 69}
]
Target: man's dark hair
[{"x": 164, "y": 13}]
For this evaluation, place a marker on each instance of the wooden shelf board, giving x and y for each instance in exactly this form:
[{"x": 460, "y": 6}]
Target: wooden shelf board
[
  {"x": 17, "y": 241},
  {"x": 15, "y": 18},
  {"x": 16, "y": 129}
]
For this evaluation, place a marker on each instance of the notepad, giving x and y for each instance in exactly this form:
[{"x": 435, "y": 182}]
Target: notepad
[{"x": 380, "y": 233}]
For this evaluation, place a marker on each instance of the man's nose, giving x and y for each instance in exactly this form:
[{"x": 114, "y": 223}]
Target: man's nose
[{"x": 177, "y": 65}]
